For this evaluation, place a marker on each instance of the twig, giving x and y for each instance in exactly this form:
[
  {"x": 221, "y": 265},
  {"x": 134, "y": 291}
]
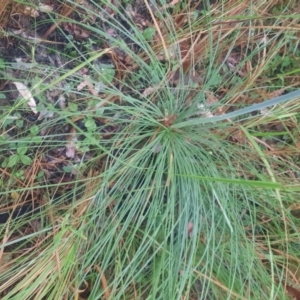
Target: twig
[{"x": 54, "y": 25}]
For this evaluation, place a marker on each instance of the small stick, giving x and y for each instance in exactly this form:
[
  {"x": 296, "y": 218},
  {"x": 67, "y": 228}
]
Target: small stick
[{"x": 54, "y": 25}]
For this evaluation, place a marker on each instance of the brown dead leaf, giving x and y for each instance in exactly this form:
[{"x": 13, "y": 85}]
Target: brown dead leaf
[
  {"x": 148, "y": 91},
  {"x": 76, "y": 31},
  {"x": 174, "y": 2},
  {"x": 81, "y": 85},
  {"x": 104, "y": 284},
  {"x": 293, "y": 292},
  {"x": 275, "y": 93},
  {"x": 212, "y": 99},
  {"x": 65, "y": 12},
  {"x": 168, "y": 120},
  {"x": 238, "y": 137},
  {"x": 71, "y": 144},
  {"x": 137, "y": 18},
  {"x": 184, "y": 57},
  {"x": 111, "y": 32},
  {"x": 30, "y": 11},
  {"x": 109, "y": 11},
  {"x": 87, "y": 83},
  {"x": 233, "y": 61}
]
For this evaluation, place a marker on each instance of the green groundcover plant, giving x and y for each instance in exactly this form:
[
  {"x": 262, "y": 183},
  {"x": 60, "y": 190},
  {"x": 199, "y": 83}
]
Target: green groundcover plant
[{"x": 172, "y": 193}]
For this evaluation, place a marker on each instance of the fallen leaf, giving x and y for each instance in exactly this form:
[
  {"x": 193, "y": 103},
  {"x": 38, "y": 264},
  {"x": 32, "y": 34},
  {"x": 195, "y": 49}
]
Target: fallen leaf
[
  {"x": 137, "y": 18},
  {"x": 233, "y": 61},
  {"x": 87, "y": 82},
  {"x": 211, "y": 98},
  {"x": 71, "y": 145},
  {"x": 76, "y": 31},
  {"x": 168, "y": 120},
  {"x": 84, "y": 71},
  {"x": 44, "y": 113},
  {"x": 276, "y": 93},
  {"x": 174, "y": 2},
  {"x": 203, "y": 111},
  {"x": 265, "y": 111},
  {"x": 111, "y": 32},
  {"x": 82, "y": 85},
  {"x": 30, "y": 11},
  {"x": 22, "y": 64},
  {"x": 62, "y": 102},
  {"x": 148, "y": 91},
  {"x": 293, "y": 292},
  {"x": 26, "y": 94},
  {"x": 180, "y": 53},
  {"x": 45, "y": 8},
  {"x": 31, "y": 36}
]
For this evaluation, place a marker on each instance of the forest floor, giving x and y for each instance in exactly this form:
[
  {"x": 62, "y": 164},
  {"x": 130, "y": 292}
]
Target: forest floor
[{"x": 115, "y": 183}]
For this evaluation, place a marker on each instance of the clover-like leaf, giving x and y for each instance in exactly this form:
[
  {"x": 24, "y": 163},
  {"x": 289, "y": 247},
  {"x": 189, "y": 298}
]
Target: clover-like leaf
[
  {"x": 13, "y": 160},
  {"x": 22, "y": 151},
  {"x": 149, "y": 33},
  {"x": 25, "y": 160}
]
